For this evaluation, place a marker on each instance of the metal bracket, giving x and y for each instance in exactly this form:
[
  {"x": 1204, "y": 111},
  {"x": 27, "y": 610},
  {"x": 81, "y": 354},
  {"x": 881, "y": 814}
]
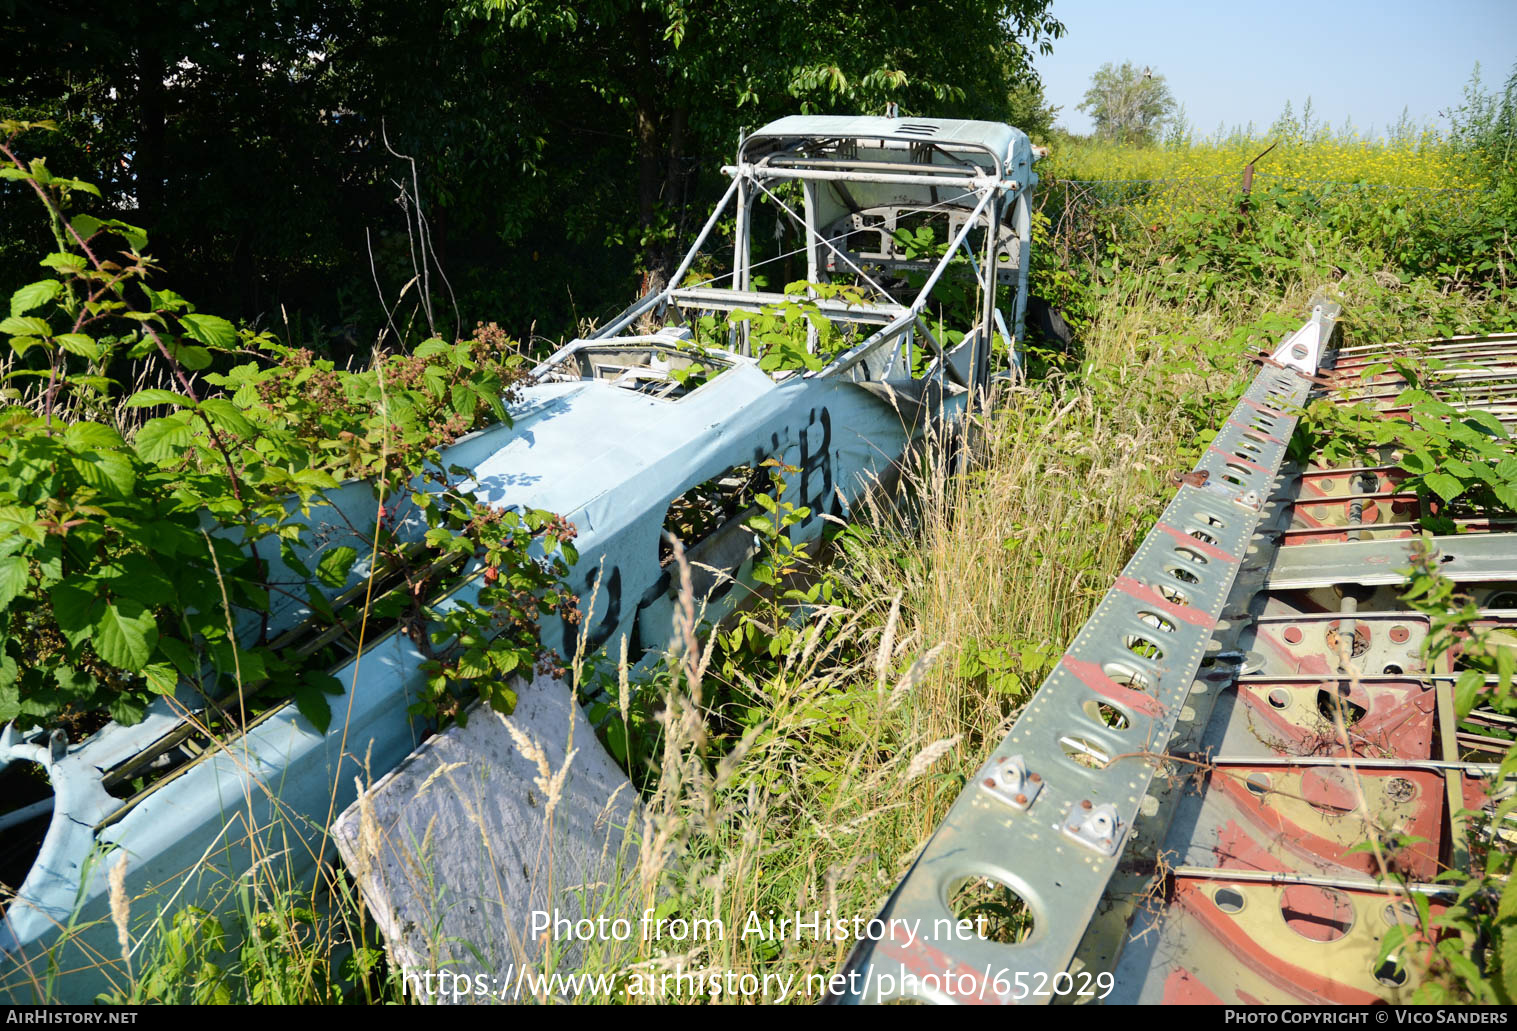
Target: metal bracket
[
  {"x": 1007, "y": 779},
  {"x": 1097, "y": 827},
  {"x": 1302, "y": 350}
]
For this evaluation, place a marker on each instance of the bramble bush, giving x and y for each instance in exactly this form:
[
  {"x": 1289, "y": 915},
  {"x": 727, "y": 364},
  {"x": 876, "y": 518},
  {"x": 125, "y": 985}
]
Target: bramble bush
[
  {"x": 1462, "y": 460},
  {"x": 127, "y": 552}
]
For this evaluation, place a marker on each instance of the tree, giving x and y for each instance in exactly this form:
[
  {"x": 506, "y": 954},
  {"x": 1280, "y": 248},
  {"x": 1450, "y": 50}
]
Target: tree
[
  {"x": 690, "y": 74},
  {"x": 561, "y": 146},
  {"x": 1128, "y": 105},
  {"x": 1030, "y": 111}
]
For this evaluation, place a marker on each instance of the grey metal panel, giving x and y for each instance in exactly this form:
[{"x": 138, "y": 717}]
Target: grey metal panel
[
  {"x": 1467, "y": 558},
  {"x": 1251, "y": 947}
]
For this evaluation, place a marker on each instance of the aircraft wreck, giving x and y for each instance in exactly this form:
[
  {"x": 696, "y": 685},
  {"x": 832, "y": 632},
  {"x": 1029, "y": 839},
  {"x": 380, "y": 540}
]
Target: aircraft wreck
[{"x": 678, "y": 401}]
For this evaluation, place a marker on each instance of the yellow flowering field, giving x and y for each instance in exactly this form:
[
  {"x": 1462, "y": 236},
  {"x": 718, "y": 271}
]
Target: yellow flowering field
[{"x": 1425, "y": 162}]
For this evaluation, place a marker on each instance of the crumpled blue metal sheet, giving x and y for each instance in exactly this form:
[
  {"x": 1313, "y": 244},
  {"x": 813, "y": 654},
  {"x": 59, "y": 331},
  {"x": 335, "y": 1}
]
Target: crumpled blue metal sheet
[{"x": 609, "y": 459}]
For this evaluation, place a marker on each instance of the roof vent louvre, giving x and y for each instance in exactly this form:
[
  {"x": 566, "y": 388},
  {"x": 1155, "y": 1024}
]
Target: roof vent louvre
[{"x": 917, "y": 130}]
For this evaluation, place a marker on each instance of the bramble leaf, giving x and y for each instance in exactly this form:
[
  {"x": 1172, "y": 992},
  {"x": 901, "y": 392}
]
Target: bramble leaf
[
  {"x": 1448, "y": 487},
  {"x": 126, "y": 710},
  {"x": 108, "y": 471},
  {"x": 335, "y": 565},
  {"x": 311, "y": 703},
  {"x": 163, "y": 439},
  {"x": 14, "y": 573},
  {"x": 145, "y": 398},
  {"x": 125, "y": 633},
  {"x": 226, "y": 417},
  {"x": 91, "y": 436},
  {"x": 161, "y": 678},
  {"x": 34, "y": 295},
  {"x": 211, "y": 330}
]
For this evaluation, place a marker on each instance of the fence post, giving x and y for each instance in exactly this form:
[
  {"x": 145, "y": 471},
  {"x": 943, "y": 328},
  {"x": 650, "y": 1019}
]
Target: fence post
[{"x": 1248, "y": 178}]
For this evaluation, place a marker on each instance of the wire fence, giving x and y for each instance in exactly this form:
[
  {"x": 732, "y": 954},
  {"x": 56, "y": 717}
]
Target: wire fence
[{"x": 1082, "y": 212}]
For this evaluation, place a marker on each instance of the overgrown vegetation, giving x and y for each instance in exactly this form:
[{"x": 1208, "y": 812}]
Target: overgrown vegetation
[
  {"x": 862, "y": 717},
  {"x": 118, "y": 532},
  {"x": 1463, "y": 461},
  {"x": 799, "y": 755}
]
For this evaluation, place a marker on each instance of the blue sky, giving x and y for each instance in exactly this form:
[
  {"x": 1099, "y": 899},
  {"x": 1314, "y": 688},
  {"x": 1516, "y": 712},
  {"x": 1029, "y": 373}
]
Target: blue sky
[{"x": 1235, "y": 62}]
